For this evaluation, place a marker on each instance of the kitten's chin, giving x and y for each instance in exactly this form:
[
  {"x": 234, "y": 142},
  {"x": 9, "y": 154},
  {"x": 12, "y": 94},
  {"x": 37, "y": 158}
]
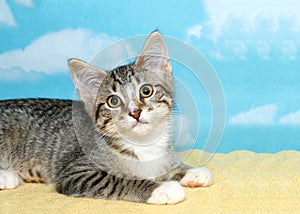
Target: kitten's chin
[{"x": 141, "y": 128}]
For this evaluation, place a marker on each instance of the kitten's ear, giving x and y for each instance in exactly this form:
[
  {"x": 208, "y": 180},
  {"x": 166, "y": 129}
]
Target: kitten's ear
[
  {"x": 87, "y": 80},
  {"x": 154, "y": 55}
]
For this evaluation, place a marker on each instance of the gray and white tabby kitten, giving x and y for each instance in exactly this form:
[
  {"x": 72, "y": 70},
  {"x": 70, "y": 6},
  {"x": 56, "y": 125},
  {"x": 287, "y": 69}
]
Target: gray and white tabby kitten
[{"x": 113, "y": 144}]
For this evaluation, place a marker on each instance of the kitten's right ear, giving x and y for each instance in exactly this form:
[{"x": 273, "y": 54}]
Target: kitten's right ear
[
  {"x": 87, "y": 80},
  {"x": 154, "y": 54}
]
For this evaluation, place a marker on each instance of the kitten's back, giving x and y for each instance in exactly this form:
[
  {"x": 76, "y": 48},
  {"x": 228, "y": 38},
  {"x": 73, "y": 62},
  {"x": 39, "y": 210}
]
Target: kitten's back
[{"x": 32, "y": 132}]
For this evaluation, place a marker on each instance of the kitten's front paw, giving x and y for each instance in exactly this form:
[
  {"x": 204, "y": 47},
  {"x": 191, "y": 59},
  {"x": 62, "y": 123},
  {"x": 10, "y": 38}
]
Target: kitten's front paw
[
  {"x": 8, "y": 179},
  {"x": 197, "y": 177},
  {"x": 169, "y": 192}
]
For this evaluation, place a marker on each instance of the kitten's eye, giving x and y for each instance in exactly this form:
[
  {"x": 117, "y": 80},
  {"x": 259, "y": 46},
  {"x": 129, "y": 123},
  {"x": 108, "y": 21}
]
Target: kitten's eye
[
  {"x": 114, "y": 101},
  {"x": 146, "y": 91}
]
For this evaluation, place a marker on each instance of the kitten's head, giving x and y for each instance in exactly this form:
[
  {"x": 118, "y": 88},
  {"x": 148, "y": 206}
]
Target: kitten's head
[{"x": 131, "y": 100}]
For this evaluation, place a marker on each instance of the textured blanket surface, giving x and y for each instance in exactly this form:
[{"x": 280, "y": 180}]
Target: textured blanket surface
[{"x": 244, "y": 182}]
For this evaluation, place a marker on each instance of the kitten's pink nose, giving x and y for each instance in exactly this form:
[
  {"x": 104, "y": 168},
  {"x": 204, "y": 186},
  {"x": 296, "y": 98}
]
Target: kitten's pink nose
[{"x": 136, "y": 114}]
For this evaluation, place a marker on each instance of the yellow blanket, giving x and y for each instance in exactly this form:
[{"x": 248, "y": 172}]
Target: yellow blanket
[{"x": 244, "y": 182}]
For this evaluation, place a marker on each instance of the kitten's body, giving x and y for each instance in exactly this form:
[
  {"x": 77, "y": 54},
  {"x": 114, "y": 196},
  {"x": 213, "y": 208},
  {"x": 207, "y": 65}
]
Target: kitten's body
[
  {"x": 115, "y": 144},
  {"x": 25, "y": 139},
  {"x": 49, "y": 147}
]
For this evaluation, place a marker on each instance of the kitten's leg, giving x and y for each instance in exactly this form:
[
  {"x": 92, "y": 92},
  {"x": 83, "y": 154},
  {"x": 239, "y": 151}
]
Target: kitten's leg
[
  {"x": 94, "y": 184},
  {"x": 169, "y": 192},
  {"x": 9, "y": 179},
  {"x": 197, "y": 177},
  {"x": 191, "y": 177}
]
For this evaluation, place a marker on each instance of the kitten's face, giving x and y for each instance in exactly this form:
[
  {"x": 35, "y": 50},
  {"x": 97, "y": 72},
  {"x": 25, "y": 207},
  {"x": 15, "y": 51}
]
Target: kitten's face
[{"x": 133, "y": 100}]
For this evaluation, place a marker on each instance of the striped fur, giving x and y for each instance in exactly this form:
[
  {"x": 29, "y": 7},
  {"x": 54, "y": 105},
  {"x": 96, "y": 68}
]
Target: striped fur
[
  {"x": 42, "y": 147},
  {"x": 90, "y": 149}
]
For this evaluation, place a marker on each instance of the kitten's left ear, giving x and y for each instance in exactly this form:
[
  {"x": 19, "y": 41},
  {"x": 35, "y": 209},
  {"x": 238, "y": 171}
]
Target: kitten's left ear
[
  {"x": 154, "y": 55},
  {"x": 87, "y": 80}
]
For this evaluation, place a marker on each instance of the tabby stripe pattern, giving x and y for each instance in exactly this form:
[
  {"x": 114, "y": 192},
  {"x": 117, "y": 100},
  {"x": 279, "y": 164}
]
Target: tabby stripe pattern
[{"x": 102, "y": 185}]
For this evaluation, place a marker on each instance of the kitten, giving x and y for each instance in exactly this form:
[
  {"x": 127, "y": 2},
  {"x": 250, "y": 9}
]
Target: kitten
[{"x": 113, "y": 144}]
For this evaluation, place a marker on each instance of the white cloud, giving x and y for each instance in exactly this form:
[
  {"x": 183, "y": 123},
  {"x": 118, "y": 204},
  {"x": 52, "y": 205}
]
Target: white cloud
[
  {"x": 263, "y": 115},
  {"x": 15, "y": 74},
  {"x": 247, "y": 15},
  {"x": 25, "y": 3},
  {"x": 50, "y": 52},
  {"x": 292, "y": 118},
  {"x": 194, "y": 31},
  {"x": 254, "y": 22},
  {"x": 6, "y": 16}
]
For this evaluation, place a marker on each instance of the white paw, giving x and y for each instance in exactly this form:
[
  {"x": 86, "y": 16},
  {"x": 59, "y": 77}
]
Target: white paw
[
  {"x": 8, "y": 179},
  {"x": 169, "y": 192},
  {"x": 197, "y": 177}
]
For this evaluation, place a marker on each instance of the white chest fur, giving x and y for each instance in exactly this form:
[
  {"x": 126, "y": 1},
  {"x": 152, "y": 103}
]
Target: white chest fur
[
  {"x": 153, "y": 156},
  {"x": 151, "y": 148}
]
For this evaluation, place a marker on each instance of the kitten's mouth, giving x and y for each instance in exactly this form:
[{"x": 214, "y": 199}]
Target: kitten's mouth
[{"x": 139, "y": 123}]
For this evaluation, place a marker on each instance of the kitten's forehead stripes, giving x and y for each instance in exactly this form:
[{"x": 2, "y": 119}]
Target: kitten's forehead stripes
[
  {"x": 116, "y": 78},
  {"x": 123, "y": 74}
]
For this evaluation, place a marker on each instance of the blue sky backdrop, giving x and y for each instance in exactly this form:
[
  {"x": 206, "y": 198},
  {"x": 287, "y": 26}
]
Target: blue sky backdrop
[{"x": 252, "y": 45}]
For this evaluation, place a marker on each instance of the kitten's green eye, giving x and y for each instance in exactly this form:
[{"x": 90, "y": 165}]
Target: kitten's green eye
[
  {"x": 146, "y": 91},
  {"x": 114, "y": 101}
]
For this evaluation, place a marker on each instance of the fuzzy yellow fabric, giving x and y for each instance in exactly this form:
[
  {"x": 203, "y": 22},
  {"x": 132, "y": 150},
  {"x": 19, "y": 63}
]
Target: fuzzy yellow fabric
[{"x": 244, "y": 182}]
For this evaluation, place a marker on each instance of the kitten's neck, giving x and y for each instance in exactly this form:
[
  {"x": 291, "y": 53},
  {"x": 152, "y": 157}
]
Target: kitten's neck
[
  {"x": 152, "y": 146},
  {"x": 154, "y": 157}
]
